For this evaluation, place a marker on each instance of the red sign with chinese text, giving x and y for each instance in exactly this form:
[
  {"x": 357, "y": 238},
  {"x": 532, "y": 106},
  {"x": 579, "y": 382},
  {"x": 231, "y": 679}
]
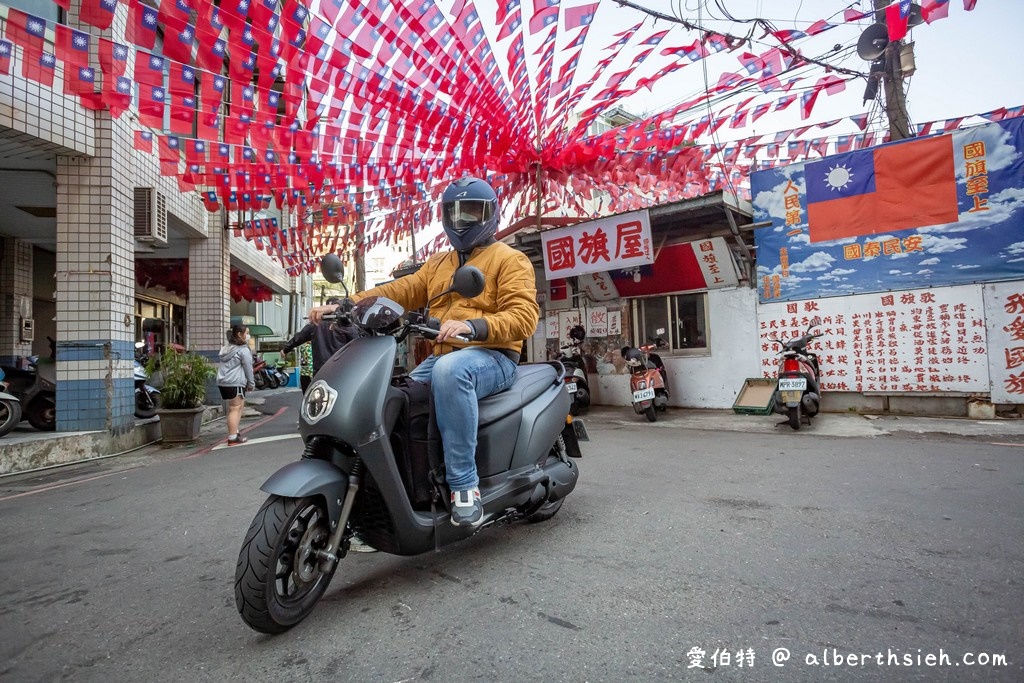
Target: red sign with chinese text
[{"x": 622, "y": 241}]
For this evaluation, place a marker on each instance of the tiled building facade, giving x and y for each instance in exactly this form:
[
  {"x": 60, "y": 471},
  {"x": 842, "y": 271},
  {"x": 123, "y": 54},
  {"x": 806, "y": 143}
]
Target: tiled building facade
[{"x": 67, "y": 185}]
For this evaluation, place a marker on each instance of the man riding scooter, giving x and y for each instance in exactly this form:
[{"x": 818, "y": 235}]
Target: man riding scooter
[{"x": 478, "y": 347}]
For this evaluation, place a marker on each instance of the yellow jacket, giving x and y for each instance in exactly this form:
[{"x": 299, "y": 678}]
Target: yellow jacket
[{"x": 504, "y": 315}]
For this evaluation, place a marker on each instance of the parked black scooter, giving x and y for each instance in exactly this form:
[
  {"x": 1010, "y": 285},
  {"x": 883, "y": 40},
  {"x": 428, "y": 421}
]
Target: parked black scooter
[
  {"x": 36, "y": 389},
  {"x": 373, "y": 464},
  {"x": 576, "y": 381}
]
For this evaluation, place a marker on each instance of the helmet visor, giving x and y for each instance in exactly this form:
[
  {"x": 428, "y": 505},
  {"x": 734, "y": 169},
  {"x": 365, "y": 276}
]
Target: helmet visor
[{"x": 463, "y": 214}]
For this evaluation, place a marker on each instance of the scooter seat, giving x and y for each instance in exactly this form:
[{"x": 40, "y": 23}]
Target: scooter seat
[{"x": 531, "y": 381}]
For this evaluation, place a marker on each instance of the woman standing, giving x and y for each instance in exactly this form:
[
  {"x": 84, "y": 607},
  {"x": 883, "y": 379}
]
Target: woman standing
[{"x": 234, "y": 378}]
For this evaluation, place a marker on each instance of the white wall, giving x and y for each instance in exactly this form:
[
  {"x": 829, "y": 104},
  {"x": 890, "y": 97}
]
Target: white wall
[{"x": 712, "y": 380}]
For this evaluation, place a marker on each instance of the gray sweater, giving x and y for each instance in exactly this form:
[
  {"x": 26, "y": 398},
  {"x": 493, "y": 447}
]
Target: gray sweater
[{"x": 235, "y": 366}]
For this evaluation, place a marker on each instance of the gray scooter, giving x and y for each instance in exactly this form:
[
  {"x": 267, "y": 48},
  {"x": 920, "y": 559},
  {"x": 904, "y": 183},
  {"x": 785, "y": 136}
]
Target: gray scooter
[{"x": 373, "y": 464}]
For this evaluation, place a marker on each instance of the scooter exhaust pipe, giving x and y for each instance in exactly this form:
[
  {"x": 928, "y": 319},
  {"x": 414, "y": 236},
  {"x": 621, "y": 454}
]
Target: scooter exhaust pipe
[
  {"x": 810, "y": 402},
  {"x": 562, "y": 477}
]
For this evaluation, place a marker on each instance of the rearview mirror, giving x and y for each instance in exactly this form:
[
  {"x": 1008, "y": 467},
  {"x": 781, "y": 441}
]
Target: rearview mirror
[
  {"x": 468, "y": 281},
  {"x": 815, "y": 321},
  {"x": 332, "y": 268}
]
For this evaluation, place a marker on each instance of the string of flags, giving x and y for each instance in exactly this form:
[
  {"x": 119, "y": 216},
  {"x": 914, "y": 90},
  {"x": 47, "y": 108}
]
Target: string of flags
[{"x": 351, "y": 116}]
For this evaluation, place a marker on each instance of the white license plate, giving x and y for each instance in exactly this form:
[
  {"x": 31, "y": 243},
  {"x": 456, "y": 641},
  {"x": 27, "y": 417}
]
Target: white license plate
[
  {"x": 570, "y": 387},
  {"x": 643, "y": 395},
  {"x": 792, "y": 384}
]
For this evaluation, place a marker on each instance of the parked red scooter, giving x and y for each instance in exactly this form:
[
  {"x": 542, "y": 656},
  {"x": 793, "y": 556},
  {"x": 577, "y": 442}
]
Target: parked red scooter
[
  {"x": 798, "y": 395},
  {"x": 647, "y": 378}
]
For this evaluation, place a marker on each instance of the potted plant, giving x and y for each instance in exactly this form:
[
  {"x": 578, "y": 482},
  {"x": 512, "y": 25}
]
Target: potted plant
[{"x": 184, "y": 378}]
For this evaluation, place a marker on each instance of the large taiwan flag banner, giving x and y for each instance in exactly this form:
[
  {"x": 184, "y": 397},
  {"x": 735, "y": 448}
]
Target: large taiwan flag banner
[{"x": 895, "y": 187}]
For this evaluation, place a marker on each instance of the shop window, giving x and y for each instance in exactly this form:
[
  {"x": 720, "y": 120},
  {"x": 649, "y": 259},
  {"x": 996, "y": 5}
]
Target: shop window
[{"x": 681, "y": 317}]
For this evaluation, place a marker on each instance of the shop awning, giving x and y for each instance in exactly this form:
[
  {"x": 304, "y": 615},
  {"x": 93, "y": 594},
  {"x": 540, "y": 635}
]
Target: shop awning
[
  {"x": 261, "y": 331},
  {"x": 254, "y": 329}
]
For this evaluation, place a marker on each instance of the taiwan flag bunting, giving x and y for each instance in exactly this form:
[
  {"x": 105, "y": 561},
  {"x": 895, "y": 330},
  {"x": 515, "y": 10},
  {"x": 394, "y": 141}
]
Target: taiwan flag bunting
[
  {"x": 26, "y": 30},
  {"x": 72, "y": 45},
  {"x": 896, "y": 187},
  {"x": 151, "y": 106},
  {"x": 182, "y": 79},
  {"x": 505, "y": 9},
  {"x": 39, "y": 66},
  {"x": 545, "y": 13},
  {"x": 98, "y": 13},
  {"x": 933, "y": 10},
  {"x": 580, "y": 16},
  {"x": 149, "y": 69},
  {"x": 113, "y": 58},
  {"x": 897, "y": 17},
  {"x": 117, "y": 94},
  {"x": 6, "y": 50},
  {"x": 142, "y": 24}
]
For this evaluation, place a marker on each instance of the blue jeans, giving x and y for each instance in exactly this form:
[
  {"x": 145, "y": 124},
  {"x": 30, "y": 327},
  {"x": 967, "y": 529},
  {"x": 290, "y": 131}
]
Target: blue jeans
[{"x": 457, "y": 381}]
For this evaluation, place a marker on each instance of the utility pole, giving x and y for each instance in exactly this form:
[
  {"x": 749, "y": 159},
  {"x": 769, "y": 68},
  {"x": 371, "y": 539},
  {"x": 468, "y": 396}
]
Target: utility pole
[{"x": 895, "y": 97}]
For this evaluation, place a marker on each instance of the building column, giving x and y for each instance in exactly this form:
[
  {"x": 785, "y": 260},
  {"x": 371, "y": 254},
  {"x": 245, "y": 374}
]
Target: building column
[
  {"x": 209, "y": 289},
  {"x": 95, "y": 281},
  {"x": 15, "y": 298}
]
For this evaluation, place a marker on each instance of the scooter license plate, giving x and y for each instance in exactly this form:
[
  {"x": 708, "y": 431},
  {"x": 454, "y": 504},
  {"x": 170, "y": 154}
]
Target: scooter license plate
[
  {"x": 792, "y": 384},
  {"x": 570, "y": 387},
  {"x": 643, "y": 395}
]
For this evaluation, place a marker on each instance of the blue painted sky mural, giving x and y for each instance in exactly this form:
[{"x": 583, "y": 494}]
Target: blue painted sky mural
[{"x": 845, "y": 237}]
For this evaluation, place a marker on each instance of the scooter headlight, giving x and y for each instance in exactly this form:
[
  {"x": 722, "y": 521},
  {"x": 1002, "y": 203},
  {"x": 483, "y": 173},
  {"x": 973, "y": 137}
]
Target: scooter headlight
[{"x": 318, "y": 402}]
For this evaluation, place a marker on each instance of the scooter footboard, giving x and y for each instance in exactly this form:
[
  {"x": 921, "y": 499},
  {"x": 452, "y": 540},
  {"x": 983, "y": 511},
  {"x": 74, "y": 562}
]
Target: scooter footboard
[{"x": 310, "y": 477}]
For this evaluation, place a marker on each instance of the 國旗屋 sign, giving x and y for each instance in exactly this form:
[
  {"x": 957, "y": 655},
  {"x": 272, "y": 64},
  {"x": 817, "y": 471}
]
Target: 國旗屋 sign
[
  {"x": 615, "y": 242},
  {"x": 924, "y": 212}
]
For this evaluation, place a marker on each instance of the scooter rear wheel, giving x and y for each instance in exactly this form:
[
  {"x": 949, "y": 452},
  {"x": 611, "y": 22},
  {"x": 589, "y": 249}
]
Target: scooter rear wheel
[
  {"x": 580, "y": 401},
  {"x": 10, "y": 416},
  {"x": 42, "y": 414},
  {"x": 794, "y": 416},
  {"x": 652, "y": 416},
  {"x": 279, "y": 577},
  {"x": 546, "y": 512},
  {"x": 145, "y": 404}
]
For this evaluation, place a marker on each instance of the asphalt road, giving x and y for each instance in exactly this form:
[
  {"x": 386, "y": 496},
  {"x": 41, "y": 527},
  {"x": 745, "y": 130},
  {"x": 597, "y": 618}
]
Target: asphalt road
[{"x": 675, "y": 541}]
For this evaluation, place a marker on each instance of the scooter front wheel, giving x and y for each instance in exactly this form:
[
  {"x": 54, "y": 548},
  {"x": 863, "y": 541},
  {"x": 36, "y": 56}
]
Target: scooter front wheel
[
  {"x": 280, "y": 576},
  {"x": 10, "y": 415}
]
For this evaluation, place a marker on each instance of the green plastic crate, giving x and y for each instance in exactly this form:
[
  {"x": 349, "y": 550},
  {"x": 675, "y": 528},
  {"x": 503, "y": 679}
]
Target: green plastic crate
[{"x": 756, "y": 397}]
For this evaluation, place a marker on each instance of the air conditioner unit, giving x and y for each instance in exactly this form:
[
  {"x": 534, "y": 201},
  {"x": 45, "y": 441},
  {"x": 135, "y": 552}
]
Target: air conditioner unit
[{"x": 150, "y": 216}]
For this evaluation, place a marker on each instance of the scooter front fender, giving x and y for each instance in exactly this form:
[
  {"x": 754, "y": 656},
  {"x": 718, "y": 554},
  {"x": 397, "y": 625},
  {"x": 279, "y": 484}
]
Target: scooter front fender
[
  {"x": 310, "y": 477},
  {"x": 4, "y": 396}
]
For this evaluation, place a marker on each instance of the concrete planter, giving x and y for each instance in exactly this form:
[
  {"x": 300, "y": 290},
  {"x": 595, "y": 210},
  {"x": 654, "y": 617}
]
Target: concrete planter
[{"x": 180, "y": 425}]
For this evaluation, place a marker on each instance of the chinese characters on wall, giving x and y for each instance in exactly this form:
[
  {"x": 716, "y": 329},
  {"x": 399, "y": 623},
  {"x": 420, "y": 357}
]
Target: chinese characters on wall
[
  {"x": 1004, "y": 305},
  {"x": 911, "y": 341}
]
